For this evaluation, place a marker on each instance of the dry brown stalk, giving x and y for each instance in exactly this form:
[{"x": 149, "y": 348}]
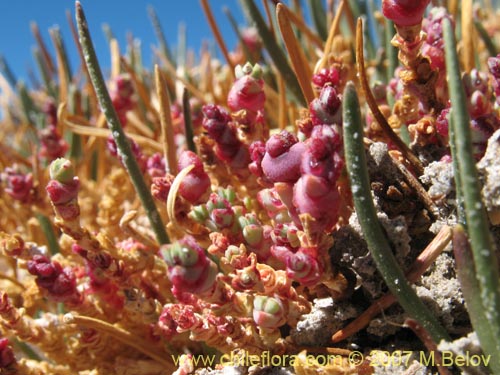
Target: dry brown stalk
[
  {"x": 299, "y": 22},
  {"x": 467, "y": 36},
  {"x": 334, "y": 28},
  {"x": 423, "y": 261},
  {"x": 372, "y": 104},
  {"x": 297, "y": 58},
  {"x": 218, "y": 37},
  {"x": 122, "y": 335},
  {"x": 167, "y": 131}
]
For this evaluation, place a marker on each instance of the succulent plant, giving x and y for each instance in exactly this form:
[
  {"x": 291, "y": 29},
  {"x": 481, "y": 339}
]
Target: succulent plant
[{"x": 217, "y": 211}]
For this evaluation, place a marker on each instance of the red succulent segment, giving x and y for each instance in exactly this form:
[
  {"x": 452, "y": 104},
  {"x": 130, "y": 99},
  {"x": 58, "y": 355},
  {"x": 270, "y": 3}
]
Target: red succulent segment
[
  {"x": 141, "y": 159},
  {"x": 326, "y": 76},
  {"x": 7, "y": 358},
  {"x": 60, "y": 193},
  {"x": 18, "y": 185},
  {"x": 121, "y": 94},
  {"x": 60, "y": 283},
  {"x": 217, "y": 123},
  {"x": 196, "y": 184},
  {"x": 494, "y": 68},
  {"x": 160, "y": 187},
  {"x": 433, "y": 46},
  {"x": 63, "y": 189},
  {"x": 404, "y": 12},
  {"x": 257, "y": 151},
  {"x": 326, "y": 108},
  {"x": 315, "y": 196},
  {"x": 155, "y": 165},
  {"x": 281, "y": 162},
  {"x": 52, "y": 145}
]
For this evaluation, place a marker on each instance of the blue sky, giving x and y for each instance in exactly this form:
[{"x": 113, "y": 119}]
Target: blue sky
[{"x": 16, "y": 39}]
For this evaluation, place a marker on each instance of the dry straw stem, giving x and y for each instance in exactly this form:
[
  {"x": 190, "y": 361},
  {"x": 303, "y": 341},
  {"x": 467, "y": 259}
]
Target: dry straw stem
[
  {"x": 372, "y": 104},
  {"x": 167, "y": 131},
  {"x": 62, "y": 69},
  {"x": 421, "y": 264},
  {"x": 299, "y": 61},
  {"x": 43, "y": 48},
  {"x": 13, "y": 280},
  {"x": 122, "y": 335},
  {"x": 468, "y": 35},
  {"x": 431, "y": 345},
  {"x": 334, "y": 29},
  {"x": 86, "y": 129},
  {"x": 417, "y": 187},
  {"x": 299, "y": 22},
  {"x": 114, "y": 51},
  {"x": 90, "y": 89},
  {"x": 172, "y": 194},
  {"x": 142, "y": 91},
  {"x": 218, "y": 37},
  {"x": 173, "y": 72},
  {"x": 282, "y": 103}
]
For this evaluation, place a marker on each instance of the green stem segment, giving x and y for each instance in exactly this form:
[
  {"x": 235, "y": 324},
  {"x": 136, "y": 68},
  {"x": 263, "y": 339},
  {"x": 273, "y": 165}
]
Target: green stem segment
[
  {"x": 160, "y": 35},
  {"x": 318, "y": 15},
  {"x": 367, "y": 216},
  {"x": 114, "y": 125},
  {"x": 188, "y": 123},
  {"x": 467, "y": 276},
  {"x": 48, "y": 231},
  {"x": 483, "y": 248}
]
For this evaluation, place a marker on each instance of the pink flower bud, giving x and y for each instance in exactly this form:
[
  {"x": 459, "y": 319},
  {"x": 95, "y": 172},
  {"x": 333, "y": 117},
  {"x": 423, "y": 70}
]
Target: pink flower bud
[
  {"x": 257, "y": 151},
  {"x": 52, "y": 145},
  {"x": 220, "y": 211},
  {"x": 271, "y": 202},
  {"x": 326, "y": 108},
  {"x": 195, "y": 186},
  {"x": 160, "y": 187},
  {"x": 404, "y": 12},
  {"x": 268, "y": 312},
  {"x": 19, "y": 186},
  {"x": 155, "y": 165},
  {"x": 60, "y": 193},
  {"x": 252, "y": 39},
  {"x": 286, "y": 166},
  {"x": 136, "y": 151},
  {"x": 50, "y": 110},
  {"x": 315, "y": 196},
  {"x": 248, "y": 90},
  {"x": 303, "y": 268},
  {"x": 189, "y": 269},
  {"x": 326, "y": 76}
]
